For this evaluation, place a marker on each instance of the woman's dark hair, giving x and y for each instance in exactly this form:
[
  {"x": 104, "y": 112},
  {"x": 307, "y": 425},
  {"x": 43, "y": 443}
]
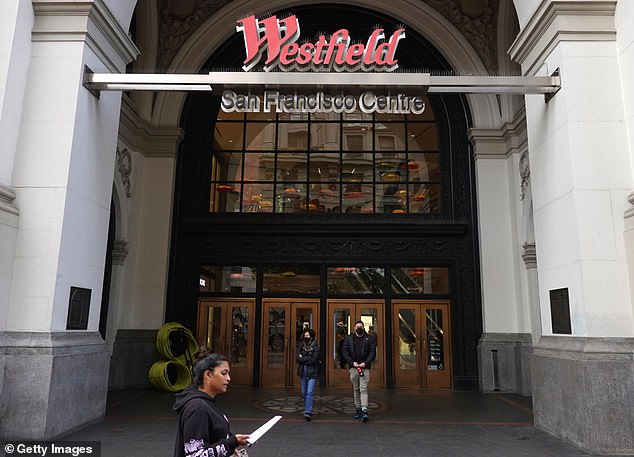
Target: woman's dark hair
[
  {"x": 209, "y": 362},
  {"x": 311, "y": 332},
  {"x": 201, "y": 353}
]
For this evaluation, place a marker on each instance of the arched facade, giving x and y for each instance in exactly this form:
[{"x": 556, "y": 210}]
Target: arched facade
[{"x": 552, "y": 206}]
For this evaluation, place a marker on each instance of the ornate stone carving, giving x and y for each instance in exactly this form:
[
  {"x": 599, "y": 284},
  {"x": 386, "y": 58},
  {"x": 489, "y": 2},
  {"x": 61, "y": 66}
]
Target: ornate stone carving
[
  {"x": 630, "y": 211},
  {"x": 178, "y": 22},
  {"x": 7, "y": 199},
  {"x": 176, "y": 25},
  {"x": 525, "y": 174},
  {"x": 529, "y": 255},
  {"x": 119, "y": 252},
  {"x": 124, "y": 165},
  {"x": 480, "y": 30}
]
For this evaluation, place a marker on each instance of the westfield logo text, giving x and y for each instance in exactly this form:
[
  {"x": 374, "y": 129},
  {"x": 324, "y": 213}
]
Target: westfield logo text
[{"x": 277, "y": 40}]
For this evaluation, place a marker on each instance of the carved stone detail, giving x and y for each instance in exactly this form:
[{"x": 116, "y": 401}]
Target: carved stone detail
[
  {"x": 175, "y": 28},
  {"x": 630, "y": 211},
  {"x": 119, "y": 252},
  {"x": 480, "y": 30},
  {"x": 124, "y": 165},
  {"x": 529, "y": 256},
  {"x": 227, "y": 246},
  {"x": 178, "y": 24},
  {"x": 525, "y": 174},
  {"x": 7, "y": 198}
]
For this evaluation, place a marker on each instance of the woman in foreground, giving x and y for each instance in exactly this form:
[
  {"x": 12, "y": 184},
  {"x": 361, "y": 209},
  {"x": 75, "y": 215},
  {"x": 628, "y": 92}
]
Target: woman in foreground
[{"x": 203, "y": 430}]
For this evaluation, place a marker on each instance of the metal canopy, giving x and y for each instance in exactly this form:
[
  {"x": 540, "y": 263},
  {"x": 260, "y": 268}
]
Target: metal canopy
[{"x": 302, "y": 81}]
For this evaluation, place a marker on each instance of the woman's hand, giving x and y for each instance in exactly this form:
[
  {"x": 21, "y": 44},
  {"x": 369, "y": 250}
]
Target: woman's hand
[{"x": 242, "y": 440}]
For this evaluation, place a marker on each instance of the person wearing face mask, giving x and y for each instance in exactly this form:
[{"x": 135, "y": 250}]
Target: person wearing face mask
[
  {"x": 308, "y": 364},
  {"x": 359, "y": 350}
]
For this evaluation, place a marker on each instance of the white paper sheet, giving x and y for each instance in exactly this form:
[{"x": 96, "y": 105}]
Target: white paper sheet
[{"x": 253, "y": 437}]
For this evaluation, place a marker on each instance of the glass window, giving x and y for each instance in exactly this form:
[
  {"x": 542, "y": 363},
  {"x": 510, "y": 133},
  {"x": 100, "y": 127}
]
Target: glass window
[
  {"x": 224, "y": 197},
  {"x": 356, "y": 166},
  {"x": 326, "y": 197},
  {"x": 422, "y": 137},
  {"x": 292, "y": 166},
  {"x": 326, "y": 162},
  {"x": 226, "y": 166},
  {"x": 390, "y": 137},
  {"x": 292, "y": 136},
  {"x": 423, "y": 167},
  {"x": 228, "y": 136},
  {"x": 355, "y": 280},
  {"x": 260, "y": 136},
  {"x": 325, "y": 167},
  {"x": 357, "y": 136},
  {"x": 291, "y": 198},
  {"x": 259, "y": 166},
  {"x": 391, "y": 198},
  {"x": 357, "y": 198},
  {"x": 236, "y": 279},
  {"x": 424, "y": 198},
  {"x": 389, "y": 167},
  {"x": 299, "y": 279},
  {"x": 257, "y": 198},
  {"x": 420, "y": 280},
  {"x": 324, "y": 136}
]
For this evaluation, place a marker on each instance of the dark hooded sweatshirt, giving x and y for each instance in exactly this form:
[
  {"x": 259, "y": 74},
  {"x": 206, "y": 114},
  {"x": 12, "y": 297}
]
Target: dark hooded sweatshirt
[{"x": 203, "y": 430}]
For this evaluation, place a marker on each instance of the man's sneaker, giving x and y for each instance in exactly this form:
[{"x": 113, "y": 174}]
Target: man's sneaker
[
  {"x": 365, "y": 417},
  {"x": 359, "y": 414},
  {"x": 307, "y": 416}
]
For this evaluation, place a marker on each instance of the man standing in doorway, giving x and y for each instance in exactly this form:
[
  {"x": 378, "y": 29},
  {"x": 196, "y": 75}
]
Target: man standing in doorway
[{"x": 359, "y": 350}]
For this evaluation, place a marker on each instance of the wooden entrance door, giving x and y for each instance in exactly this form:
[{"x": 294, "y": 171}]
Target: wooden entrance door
[
  {"x": 225, "y": 326},
  {"x": 283, "y": 323},
  {"x": 422, "y": 356},
  {"x": 342, "y": 315}
]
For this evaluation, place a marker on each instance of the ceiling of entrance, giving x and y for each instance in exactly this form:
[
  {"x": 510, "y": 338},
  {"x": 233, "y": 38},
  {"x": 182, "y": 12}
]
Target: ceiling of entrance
[{"x": 475, "y": 19}]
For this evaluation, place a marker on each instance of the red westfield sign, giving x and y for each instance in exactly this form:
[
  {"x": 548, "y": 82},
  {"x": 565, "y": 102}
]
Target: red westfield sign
[{"x": 277, "y": 39}]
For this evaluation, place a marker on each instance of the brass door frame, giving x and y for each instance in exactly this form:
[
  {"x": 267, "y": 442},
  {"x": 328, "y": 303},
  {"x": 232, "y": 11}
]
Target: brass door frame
[
  {"x": 338, "y": 377},
  {"x": 424, "y": 378},
  {"x": 239, "y": 375},
  {"x": 285, "y": 376}
]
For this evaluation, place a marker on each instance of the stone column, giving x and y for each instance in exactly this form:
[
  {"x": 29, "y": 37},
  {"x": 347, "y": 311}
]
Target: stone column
[
  {"x": 55, "y": 362},
  {"x": 502, "y": 361},
  {"x": 581, "y": 176}
]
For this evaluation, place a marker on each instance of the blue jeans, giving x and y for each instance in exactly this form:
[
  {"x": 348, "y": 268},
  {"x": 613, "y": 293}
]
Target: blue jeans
[{"x": 308, "y": 392}]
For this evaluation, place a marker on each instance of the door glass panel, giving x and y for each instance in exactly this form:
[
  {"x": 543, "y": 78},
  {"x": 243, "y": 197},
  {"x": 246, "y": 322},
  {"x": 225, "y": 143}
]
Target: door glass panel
[
  {"x": 341, "y": 331},
  {"x": 369, "y": 318},
  {"x": 277, "y": 321},
  {"x": 407, "y": 339},
  {"x": 214, "y": 332},
  {"x": 239, "y": 333},
  {"x": 304, "y": 321},
  {"x": 435, "y": 348}
]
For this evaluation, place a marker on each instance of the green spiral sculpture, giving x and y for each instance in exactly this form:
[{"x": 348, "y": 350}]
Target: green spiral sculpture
[{"x": 176, "y": 344}]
